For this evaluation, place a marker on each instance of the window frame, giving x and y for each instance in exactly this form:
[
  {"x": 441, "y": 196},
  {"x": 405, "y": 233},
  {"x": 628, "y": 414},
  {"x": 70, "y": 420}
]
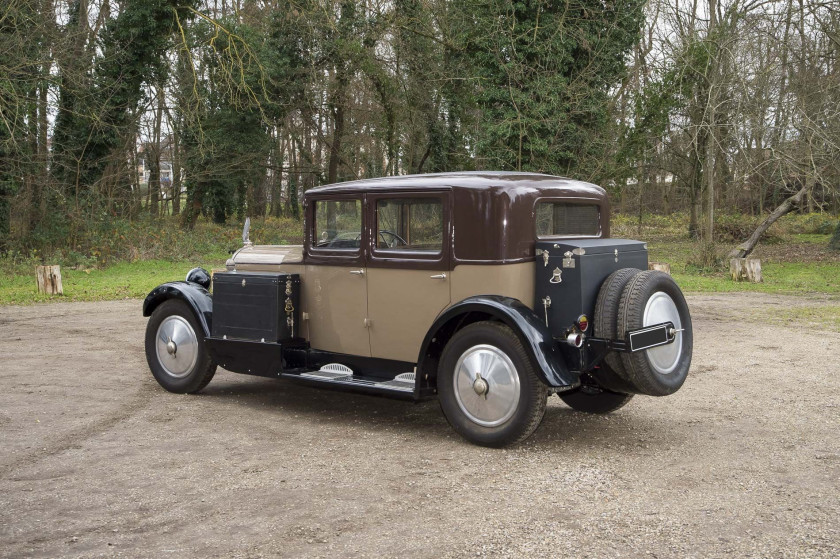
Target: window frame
[
  {"x": 322, "y": 255},
  {"x": 572, "y": 202},
  {"x": 410, "y": 259}
]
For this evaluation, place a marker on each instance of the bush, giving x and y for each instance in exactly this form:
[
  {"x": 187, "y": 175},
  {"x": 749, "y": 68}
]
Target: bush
[
  {"x": 104, "y": 240},
  {"x": 706, "y": 257}
]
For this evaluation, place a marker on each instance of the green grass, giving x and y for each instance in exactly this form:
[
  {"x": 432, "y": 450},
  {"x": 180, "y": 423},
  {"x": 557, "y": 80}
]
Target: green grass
[
  {"x": 125, "y": 280},
  {"x": 782, "y": 277},
  {"x": 130, "y": 261}
]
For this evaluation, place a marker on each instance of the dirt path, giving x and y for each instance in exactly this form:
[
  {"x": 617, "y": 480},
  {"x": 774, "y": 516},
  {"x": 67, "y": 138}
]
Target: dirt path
[{"x": 96, "y": 460}]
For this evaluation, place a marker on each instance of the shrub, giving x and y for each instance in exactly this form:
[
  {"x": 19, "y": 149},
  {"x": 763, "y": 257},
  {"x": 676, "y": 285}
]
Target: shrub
[{"x": 706, "y": 257}]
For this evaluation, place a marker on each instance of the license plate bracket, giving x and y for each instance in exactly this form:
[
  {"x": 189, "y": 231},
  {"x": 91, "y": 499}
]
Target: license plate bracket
[{"x": 650, "y": 336}]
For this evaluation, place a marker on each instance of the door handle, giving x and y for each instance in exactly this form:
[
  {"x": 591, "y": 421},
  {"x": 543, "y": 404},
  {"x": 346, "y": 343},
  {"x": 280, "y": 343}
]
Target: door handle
[
  {"x": 438, "y": 276},
  {"x": 357, "y": 272}
]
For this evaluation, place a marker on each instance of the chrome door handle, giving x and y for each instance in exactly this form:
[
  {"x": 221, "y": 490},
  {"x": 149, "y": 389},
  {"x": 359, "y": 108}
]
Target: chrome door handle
[
  {"x": 357, "y": 272},
  {"x": 438, "y": 276}
]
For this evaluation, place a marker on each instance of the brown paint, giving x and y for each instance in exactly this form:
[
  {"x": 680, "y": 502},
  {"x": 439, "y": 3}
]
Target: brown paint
[{"x": 490, "y": 218}]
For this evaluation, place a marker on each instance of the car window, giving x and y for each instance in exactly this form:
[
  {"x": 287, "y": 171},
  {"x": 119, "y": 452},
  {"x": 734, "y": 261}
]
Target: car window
[
  {"x": 338, "y": 224},
  {"x": 409, "y": 224},
  {"x": 568, "y": 220}
]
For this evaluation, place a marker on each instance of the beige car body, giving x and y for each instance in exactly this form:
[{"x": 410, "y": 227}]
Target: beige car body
[{"x": 385, "y": 312}]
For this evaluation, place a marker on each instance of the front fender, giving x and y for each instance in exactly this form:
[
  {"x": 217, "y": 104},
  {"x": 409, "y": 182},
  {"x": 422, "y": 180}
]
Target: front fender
[
  {"x": 548, "y": 361},
  {"x": 198, "y": 298}
]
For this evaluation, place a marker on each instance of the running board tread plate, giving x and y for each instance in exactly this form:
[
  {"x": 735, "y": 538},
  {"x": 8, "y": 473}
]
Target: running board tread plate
[{"x": 322, "y": 377}]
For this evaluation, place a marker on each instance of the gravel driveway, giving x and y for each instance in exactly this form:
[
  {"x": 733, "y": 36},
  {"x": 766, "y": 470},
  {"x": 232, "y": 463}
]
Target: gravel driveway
[{"x": 97, "y": 460}]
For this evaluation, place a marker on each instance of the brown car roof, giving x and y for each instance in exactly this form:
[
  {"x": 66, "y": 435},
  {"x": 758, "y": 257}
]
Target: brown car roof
[
  {"x": 492, "y": 212},
  {"x": 470, "y": 180}
]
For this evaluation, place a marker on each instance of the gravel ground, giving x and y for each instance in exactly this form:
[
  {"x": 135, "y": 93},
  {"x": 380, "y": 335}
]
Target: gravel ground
[{"x": 97, "y": 461}]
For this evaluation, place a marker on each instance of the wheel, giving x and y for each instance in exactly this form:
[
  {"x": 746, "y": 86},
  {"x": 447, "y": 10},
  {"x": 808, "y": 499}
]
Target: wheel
[
  {"x": 653, "y": 297},
  {"x": 591, "y": 398},
  {"x": 612, "y": 374},
  {"x": 175, "y": 351},
  {"x": 488, "y": 390}
]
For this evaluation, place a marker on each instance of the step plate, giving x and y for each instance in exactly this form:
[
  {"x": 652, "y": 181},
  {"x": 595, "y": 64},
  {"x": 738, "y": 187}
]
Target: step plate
[
  {"x": 350, "y": 382},
  {"x": 326, "y": 375}
]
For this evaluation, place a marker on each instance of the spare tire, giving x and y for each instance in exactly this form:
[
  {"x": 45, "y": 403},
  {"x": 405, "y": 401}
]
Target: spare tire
[
  {"x": 611, "y": 374},
  {"x": 652, "y": 297}
]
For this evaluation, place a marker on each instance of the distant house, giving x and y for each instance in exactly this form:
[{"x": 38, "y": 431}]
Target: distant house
[
  {"x": 165, "y": 172},
  {"x": 165, "y": 166}
]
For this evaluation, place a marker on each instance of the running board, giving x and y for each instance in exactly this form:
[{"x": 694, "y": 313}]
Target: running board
[{"x": 339, "y": 380}]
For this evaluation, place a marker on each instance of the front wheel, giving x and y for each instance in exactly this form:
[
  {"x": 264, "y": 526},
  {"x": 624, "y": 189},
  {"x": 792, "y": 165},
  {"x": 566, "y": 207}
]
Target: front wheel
[
  {"x": 488, "y": 389},
  {"x": 175, "y": 349}
]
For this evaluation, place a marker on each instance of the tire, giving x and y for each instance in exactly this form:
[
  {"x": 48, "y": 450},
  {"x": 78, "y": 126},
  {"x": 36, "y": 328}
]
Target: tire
[
  {"x": 652, "y": 297},
  {"x": 612, "y": 374},
  {"x": 513, "y": 405},
  {"x": 173, "y": 322},
  {"x": 594, "y": 399}
]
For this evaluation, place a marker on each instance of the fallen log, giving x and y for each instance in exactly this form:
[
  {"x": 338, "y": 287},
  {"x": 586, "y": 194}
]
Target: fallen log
[
  {"x": 745, "y": 249},
  {"x": 661, "y": 266}
]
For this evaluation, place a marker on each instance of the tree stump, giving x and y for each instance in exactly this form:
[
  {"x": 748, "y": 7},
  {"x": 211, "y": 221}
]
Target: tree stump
[
  {"x": 745, "y": 269},
  {"x": 49, "y": 280},
  {"x": 661, "y": 266}
]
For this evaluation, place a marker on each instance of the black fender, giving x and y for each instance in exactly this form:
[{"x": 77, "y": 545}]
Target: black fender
[
  {"x": 198, "y": 298},
  {"x": 547, "y": 358}
]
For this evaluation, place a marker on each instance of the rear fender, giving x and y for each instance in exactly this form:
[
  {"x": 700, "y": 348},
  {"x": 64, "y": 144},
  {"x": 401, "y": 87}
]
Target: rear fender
[
  {"x": 546, "y": 357},
  {"x": 198, "y": 298}
]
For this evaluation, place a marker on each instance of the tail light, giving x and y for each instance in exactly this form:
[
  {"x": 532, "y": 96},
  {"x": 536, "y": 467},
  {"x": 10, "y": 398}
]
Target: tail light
[
  {"x": 582, "y": 323},
  {"x": 575, "y": 339}
]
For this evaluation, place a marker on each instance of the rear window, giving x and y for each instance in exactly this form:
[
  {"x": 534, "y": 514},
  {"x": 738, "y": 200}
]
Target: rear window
[{"x": 568, "y": 220}]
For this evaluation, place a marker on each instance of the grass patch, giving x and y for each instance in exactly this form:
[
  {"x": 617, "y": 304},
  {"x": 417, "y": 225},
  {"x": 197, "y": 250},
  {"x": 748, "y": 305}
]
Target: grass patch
[
  {"x": 125, "y": 280},
  {"x": 132, "y": 259}
]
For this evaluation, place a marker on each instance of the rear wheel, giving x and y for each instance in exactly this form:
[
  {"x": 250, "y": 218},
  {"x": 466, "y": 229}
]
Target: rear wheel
[
  {"x": 591, "y": 398},
  {"x": 175, "y": 349},
  {"x": 488, "y": 389}
]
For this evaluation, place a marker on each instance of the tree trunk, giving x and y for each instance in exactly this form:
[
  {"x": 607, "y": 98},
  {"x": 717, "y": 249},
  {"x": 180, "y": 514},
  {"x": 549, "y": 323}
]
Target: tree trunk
[
  {"x": 338, "y": 131},
  {"x": 176, "y": 171},
  {"x": 745, "y": 249},
  {"x": 745, "y": 269}
]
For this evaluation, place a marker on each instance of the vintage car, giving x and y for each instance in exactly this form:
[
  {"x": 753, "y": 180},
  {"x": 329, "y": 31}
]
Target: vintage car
[{"x": 487, "y": 290}]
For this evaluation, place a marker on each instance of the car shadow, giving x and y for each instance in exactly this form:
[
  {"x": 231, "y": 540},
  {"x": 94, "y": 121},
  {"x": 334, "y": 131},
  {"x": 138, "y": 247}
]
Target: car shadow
[
  {"x": 562, "y": 428},
  {"x": 324, "y": 405}
]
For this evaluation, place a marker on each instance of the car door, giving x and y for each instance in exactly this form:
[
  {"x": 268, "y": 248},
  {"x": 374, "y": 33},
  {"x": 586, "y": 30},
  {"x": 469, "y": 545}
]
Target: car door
[
  {"x": 336, "y": 282},
  {"x": 408, "y": 269}
]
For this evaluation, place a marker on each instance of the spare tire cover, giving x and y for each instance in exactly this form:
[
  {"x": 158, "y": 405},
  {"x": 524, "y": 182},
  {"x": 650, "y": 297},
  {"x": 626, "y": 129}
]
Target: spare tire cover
[{"x": 650, "y": 298}]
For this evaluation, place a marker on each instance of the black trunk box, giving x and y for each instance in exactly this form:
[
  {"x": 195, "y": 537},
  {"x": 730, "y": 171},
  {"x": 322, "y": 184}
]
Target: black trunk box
[
  {"x": 571, "y": 271},
  {"x": 257, "y": 306}
]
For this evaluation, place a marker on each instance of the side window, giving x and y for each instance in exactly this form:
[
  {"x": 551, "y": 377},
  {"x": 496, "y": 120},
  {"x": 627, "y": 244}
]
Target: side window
[
  {"x": 572, "y": 220},
  {"x": 409, "y": 224},
  {"x": 338, "y": 225}
]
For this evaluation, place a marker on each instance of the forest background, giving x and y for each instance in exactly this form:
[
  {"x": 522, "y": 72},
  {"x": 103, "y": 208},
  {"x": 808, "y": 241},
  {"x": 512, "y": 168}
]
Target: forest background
[{"x": 148, "y": 129}]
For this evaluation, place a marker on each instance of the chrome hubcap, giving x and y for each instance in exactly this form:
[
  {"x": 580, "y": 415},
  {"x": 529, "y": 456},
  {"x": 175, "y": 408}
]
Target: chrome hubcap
[
  {"x": 486, "y": 385},
  {"x": 177, "y": 346},
  {"x": 661, "y": 308}
]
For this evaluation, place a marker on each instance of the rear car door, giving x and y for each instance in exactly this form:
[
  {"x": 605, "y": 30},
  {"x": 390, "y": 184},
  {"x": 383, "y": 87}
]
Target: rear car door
[{"x": 408, "y": 269}]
